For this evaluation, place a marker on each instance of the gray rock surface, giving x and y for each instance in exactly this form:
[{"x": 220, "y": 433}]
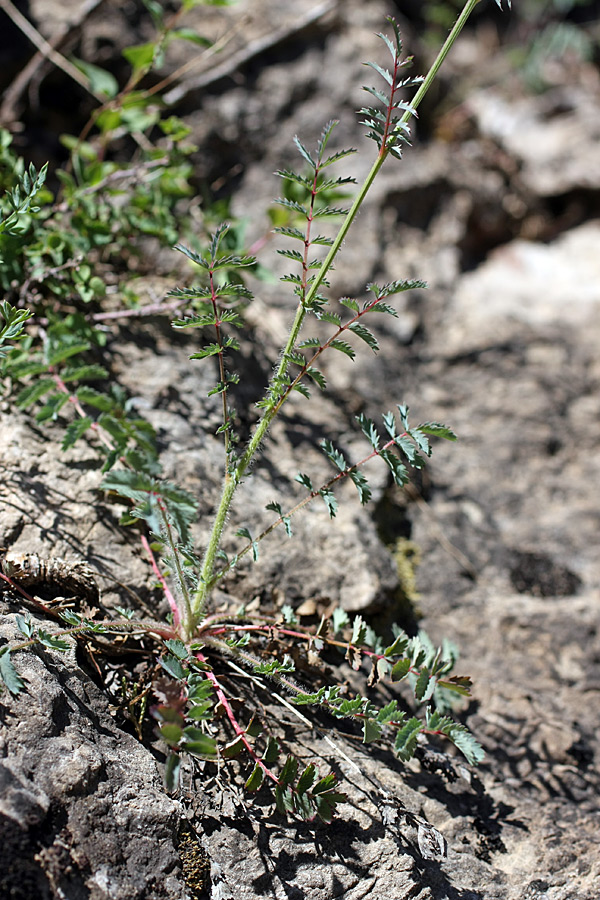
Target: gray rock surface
[
  {"x": 83, "y": 813},
  {"x": 504, "y": 347}
]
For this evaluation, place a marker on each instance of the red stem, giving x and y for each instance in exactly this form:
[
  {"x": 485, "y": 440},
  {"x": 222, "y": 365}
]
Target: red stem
[
  {"x": 386, "y": 131},
  {"x": 170, "y": 598},
  {"x": 234, "y": 722},
  {"x": 37, "y": 603}
]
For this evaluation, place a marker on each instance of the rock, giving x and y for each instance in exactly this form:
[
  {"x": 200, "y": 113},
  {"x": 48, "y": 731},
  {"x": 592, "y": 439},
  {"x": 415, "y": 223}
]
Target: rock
[
  {"x": 505, "y": 521},
  {"x": 81, "y": 800},
  {"x": 553, "y": 137},
  {"x": 527, "y": 286}
]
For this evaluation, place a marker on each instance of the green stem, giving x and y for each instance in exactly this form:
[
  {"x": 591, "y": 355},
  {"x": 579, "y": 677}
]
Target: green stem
[
  {"x": 208, "y": 563},
  {"x": 207, "y": 570}
]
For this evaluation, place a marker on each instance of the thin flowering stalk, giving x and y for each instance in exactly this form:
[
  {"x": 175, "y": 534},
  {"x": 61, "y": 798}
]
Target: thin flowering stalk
[
  {"x": 233, "y": 479},
  {"x": 385, "y": 149},
  {"x": 207, "y": 579}
]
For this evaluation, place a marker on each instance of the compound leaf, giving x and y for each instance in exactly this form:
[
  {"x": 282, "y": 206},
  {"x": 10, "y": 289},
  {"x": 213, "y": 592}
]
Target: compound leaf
[{"x": 438, "y": 430}]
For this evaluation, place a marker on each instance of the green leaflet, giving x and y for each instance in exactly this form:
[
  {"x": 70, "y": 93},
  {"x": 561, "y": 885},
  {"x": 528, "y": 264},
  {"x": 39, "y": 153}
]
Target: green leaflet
[
  {"x": 390, "y": 713},
  {"x": 458, "y": 734},
  {"x": 201, "y": 712},
  {"x": 367, "y": 336},
  {"x": 271, "y": 753},
  {"x": 359, "y": 631},
  {"x": 304, "y": 152},
  {"x": 398, "y": 469},
  {"x": 34, "y": 392},
  {"x": 304, "y": 480},
  {"x": 343, "y": 347},
  {"x": 399, "y": 645},
  {"x": 8, "y": 674},
  {"x": 196, "y": 742},
  {"x": 425, "y": 685},
  {"x": 367, "y": 426},
  {"x": 289, "y": 771},
  {"x": 25, "y": 626},
  {"x": 317, "y": 377},
  {"x": 69, "y": 346},
  {"x": 307, "y": 778},
  {"x": 406, "y": 739},
  {"x": 334, "y": 455},
  {"x": 173, "y": 666},
  {"x": 400, "y": 669},
  {"x": 371, "y": 731},
  {"x": 290, "y": 232},
  {"x": 361, "y": 484},
  {"x": 274, "y": 667},
  {"x": 296, "y": 207},
  {"x": 84, "y": 372},
  {"x": 51, "y": 641},
  {"x": 245, "y": 533},
  {"x": 284, "y": 799},
  {"x": 255, "y": 779},
  {"x": 87, "y": 394},
  {"x": 435, "y": 428},
  {"x": 339, "y": 620},
  {"x": 208, "y": 350},
  {"x": 172, "y": 772},
  {"x": 232, "y": 750},
  {"x": 286, "y": 521},
  {"x": 325, "y": 316},
  {"x": 330, "y": 501},
  {"x": 171, "y": 733},
  {"x": 326, "y": 803},
  {"x": 290, "y": 175},
  {"x": 177, "y": 648},
  {"x": 53, "y": 405}
]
